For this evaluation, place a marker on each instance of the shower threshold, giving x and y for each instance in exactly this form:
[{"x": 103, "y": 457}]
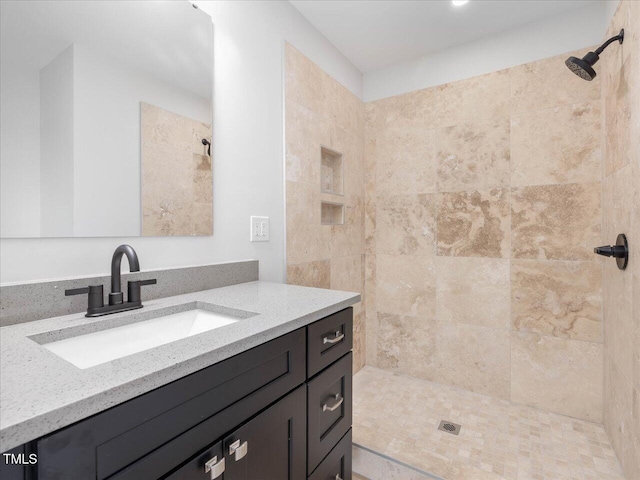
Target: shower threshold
[{"x": 371, "y": 465}]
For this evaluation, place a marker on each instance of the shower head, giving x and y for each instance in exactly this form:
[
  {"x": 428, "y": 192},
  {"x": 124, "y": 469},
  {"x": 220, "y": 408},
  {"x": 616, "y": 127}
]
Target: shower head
[{"x": 583, "y": 67}]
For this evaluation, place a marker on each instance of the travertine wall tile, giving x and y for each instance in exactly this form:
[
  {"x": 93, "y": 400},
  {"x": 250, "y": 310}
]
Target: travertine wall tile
[
  {"x": 635, "y": 333},
  {"x": 406, "y": 285},
  {"x": 478, "y": 99},
  {"x": 620, "y": 71},
  {"x": 475, "y": 291},
  {"x": 474, "y": 357},
  {"x": 319, "y": 112},
  {"x": 405, "y": 225},
  {"x": 618, "y": 315},
  {"x": 474, "y": 224},
  {"x": 548, "y": 84},
  {"x": 617, "y": 199},
  {"x": 303, "y": 80},
  {"x": 473, "y": 156},
  {"x": 518, "y": 157},
  {"x": 406, "y": 344},
  {"x": 561, "y": 299},
  {"x": 359, "y": 340},
  {"x": 307, "y": 239},
  {"x": 302, "y": 150},
  {"x": 348, "y": 238},
  {"x": 371, "y": 312},
  {"x": 406, "y": 162},
  {"x": 346, "y": 274},
  {"x": 556, "y": 222},
  {"x": 618, "y": 414},
  {"x": 557, "y": 374},
  {"x": 313, "y": 274},
  {"x": 557, "y": 145},
  {"x": 410, "y": 112},
  {"x": 620, "y": 74}
]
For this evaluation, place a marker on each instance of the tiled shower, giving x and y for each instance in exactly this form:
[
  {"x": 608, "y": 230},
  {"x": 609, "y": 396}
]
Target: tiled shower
[{"x": 467, "y": 219}]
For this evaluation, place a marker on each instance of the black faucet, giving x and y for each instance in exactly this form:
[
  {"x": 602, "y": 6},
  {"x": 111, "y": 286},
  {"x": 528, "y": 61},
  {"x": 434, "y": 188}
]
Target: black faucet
[
  {"x": 116, "y": 297},
  {"x": 96, "y": 305}
]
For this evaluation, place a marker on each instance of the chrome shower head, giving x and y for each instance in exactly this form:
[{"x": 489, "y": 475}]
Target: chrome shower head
[{"x": 583, "y": 67}]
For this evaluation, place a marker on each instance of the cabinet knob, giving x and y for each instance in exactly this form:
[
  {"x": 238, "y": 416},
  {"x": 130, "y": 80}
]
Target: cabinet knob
[
  {"x": 238, "y": 450},
  {"x": 215, "y": 467}
]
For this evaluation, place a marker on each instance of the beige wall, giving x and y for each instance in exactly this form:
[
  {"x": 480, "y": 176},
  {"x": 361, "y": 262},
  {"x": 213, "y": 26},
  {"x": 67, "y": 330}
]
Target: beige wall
[
  {"x": 482, "y": 211},
  {"x": 321, "y": 112},
  {"x": 620, "y": 70}
]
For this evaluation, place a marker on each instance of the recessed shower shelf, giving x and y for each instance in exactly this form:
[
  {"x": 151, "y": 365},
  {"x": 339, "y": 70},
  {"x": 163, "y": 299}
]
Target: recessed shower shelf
[
  {"x": 331, "y": 172},
  {"x": 331, "y": 213}
]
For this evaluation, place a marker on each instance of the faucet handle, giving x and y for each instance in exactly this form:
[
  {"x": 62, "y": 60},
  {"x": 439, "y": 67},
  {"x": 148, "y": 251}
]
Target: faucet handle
[
  {"x": 76, "y": 291},
  {"x": 133, "y": 289},
  {"x": 96, "y": 298}
]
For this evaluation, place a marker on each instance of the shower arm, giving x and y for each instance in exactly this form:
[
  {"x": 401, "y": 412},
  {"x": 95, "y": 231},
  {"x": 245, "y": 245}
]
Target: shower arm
[{"x": 619, "y": 37}]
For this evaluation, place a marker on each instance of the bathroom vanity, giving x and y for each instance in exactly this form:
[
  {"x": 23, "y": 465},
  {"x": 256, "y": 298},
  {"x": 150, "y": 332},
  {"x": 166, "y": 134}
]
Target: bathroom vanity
[{"x": 270, "y": 398}]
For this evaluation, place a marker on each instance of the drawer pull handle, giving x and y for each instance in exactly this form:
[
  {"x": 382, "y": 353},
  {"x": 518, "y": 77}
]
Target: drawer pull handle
[
  {"x": 339, "y": 336},
  {"x": 340, "y": 401},
  {"x": 215, "y": 467},
  {"x": 238, "y": 450}
]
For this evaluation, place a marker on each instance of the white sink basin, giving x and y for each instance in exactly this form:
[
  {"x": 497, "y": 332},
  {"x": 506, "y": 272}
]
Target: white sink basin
[{"x": 92, "y": 349}]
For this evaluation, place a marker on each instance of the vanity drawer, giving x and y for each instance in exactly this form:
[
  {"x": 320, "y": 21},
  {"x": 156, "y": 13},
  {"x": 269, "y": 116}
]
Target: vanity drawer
[
  {"x": 328, "y": 340},
  {"x": 329, "y": 410},
  {"x": 337, "y": 464},
  {"x": 106, "y": 443}
]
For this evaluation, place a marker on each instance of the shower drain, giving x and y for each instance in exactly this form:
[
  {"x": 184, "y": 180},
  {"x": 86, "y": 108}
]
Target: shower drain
[{"x": 449, "y": 427}]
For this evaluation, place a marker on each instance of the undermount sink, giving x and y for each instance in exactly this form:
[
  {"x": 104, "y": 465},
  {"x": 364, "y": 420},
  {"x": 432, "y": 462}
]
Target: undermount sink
[{"x": 91, "y": 349}]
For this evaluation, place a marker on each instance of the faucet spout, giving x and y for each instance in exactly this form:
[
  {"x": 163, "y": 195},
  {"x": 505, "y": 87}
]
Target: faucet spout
[{"x": 116, "y": 297}]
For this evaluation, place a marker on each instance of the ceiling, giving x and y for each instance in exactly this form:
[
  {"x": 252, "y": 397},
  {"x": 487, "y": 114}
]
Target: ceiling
[{"x": 378, "y": 33}]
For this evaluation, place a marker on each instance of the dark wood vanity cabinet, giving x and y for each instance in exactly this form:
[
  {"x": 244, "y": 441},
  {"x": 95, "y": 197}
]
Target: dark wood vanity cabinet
[{"x": 280, "y": 411}]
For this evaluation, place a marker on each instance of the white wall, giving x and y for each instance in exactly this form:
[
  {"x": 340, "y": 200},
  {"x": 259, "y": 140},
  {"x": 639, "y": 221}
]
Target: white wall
[
  {"x": 56, "y": 146},
  {"x": 248, "y": 153},
  {"x": 577, "y": 29}
]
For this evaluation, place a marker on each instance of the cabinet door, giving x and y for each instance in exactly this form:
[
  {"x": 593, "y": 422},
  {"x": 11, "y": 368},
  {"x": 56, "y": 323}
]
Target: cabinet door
[{"x": 272, "y": 445}]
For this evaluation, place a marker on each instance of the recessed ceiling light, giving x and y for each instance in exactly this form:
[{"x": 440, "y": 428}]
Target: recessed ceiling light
[{"x": 459, "y": 3}]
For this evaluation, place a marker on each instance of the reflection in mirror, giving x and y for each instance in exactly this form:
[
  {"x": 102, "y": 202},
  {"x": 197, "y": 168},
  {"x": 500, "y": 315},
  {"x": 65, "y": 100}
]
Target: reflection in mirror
[{"x": 105, "y": 106}]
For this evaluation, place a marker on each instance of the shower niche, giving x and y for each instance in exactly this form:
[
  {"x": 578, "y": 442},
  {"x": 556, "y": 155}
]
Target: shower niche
[
  {"x": 331, "y": 172},
  {"x": 331, "y": 184},
  {"x": 331, "y": 213}
]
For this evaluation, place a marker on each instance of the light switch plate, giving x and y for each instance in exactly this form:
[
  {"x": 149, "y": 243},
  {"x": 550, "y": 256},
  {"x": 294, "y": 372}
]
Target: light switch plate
[{"x": 259, "y": 229}]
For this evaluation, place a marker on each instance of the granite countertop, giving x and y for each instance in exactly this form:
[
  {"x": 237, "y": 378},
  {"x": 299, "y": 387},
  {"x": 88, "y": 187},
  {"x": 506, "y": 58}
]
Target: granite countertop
[{"x": 41, "y": 393}]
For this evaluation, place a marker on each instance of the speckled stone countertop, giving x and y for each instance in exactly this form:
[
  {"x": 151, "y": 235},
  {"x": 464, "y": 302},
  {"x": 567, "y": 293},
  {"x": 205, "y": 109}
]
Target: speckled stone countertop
[{"x": 41, "y": 393}]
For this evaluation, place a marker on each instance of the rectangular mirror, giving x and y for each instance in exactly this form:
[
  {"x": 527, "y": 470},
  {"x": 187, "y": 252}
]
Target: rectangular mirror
[{"x": 106, "y": 119}]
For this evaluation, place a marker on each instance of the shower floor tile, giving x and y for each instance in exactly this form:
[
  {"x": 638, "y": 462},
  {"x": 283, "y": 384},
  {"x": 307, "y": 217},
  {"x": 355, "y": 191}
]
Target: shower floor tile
[{"x": 398, "y": 416}]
